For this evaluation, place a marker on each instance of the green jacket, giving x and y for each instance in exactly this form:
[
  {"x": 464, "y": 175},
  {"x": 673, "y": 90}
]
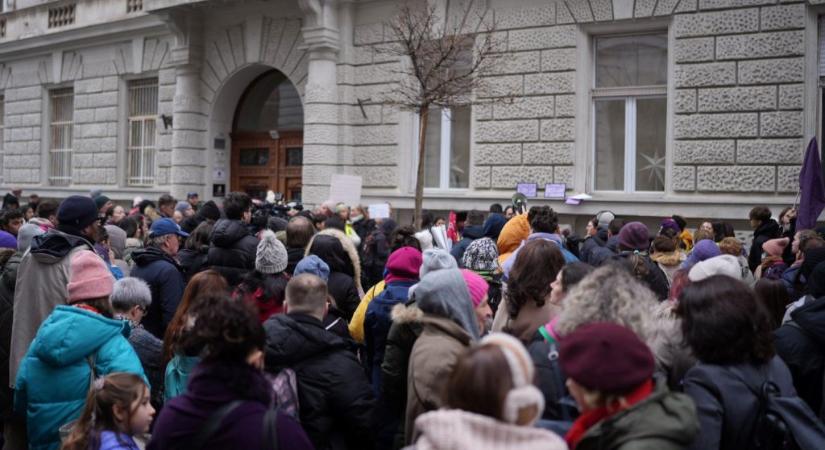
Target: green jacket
[{"x": 663, "y": 421}]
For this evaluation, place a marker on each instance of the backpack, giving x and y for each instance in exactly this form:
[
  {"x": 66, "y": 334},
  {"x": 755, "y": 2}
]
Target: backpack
[
  {"x": 213, "y": 422},
  {"x": 567, "y": 406},
  {"x": 285, "y": 392},
  {"x": 782, "y": 422}
]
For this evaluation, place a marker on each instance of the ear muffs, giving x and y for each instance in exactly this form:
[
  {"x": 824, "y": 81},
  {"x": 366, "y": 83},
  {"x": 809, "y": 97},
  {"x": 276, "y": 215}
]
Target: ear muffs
[{"x": 522, "y": 400}]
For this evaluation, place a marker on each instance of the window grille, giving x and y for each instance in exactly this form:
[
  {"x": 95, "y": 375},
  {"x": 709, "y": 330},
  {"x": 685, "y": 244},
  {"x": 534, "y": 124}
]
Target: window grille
[
  {"x": 61, "y": 16},
  {"x": 60, "y": 136},
  {"x": 143, "y": 116},
  {"x": 134, "y": 6}
]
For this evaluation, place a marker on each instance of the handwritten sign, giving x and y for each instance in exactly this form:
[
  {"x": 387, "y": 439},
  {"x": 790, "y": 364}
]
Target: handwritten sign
[
  {"x": 555, "y": 191},
  {"x": 528, "y": 189},
  {"x": 379, "y": 211},
  {"x": 345, "y": 189}
]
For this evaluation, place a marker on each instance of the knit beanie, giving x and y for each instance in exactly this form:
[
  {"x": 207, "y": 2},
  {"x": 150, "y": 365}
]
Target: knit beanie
[
  {"x": 25, "y": 235},
  {"x": 436, "y": 259},
  {"x": 481, "y": 255},
  {"x": 76, "y": 213},
  {"x": 182, "y": 206},
  {"x": 89, "y": 279},
  {"x": 271, "y": 256},
  {"x": 7, "y": 240},
  {"x": 606, "y": 357},
  {"x": 775, "y": 247},
  {"x": 718, "y": 265},
  {"x": 634, "y": 236},
  {"x": 210, "y": 211},
  {"x": 703, "y": 250},
  {"x": 403, "y": 264},
  {"x": 670, "y": 224},
  {"x": 476, "y": 285},
  {"x": 101, "y": 200},
  {"x": 313, "y": 265}
]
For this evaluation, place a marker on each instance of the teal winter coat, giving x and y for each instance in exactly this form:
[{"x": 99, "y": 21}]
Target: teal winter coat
[{"x": 54, "y": 376}]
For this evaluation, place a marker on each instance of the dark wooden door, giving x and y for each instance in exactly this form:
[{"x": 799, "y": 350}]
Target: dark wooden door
[{"x": 260, "y": 163}]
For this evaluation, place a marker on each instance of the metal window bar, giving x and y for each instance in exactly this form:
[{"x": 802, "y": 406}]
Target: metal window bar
[
  {"x": 61, "y": 129},
  {"x": 134, "y": 6},
  {"x": 143, "y": 116}
]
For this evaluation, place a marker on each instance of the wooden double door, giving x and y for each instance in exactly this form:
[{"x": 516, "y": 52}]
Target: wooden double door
[{"x": 261, "y": 163}]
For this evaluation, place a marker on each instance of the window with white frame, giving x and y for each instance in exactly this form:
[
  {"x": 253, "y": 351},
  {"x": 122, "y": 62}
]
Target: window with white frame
[
  {"x": 630, "y": 112},
  {"x": 61, "y": 123},
  {"x": 447, "y": 153},
  {"x": 143, "y": 116}
]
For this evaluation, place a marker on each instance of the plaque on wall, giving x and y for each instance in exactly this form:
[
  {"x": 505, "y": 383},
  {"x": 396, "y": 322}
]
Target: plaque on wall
[{"x": 218, "y": 190}]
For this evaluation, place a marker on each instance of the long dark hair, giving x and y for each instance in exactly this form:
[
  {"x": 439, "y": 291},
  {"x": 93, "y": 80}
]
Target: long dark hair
[
  {"x": 773, "y": 296},
  {"x": 724, "y": 323},
  {"x": 206, "y": 282},
  {"x": 537, "y": 265},
  {"x": 272, "y": 285},
  {"x": 116, "y": 389}
]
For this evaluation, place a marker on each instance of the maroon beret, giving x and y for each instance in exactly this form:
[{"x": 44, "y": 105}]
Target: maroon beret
[
  {"x": 606, "y": 357},
  {"x": 634, "y": 236}
]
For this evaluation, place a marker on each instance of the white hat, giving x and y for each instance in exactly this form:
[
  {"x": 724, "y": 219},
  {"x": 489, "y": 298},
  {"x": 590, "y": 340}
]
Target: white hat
[
  {"x": 718, "y": 265},
  {"x": 271, "y": 256}
]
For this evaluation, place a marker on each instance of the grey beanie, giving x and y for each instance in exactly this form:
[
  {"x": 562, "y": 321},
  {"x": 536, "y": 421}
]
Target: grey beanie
[
  {"x": 25, "y": 235},
  {"x": 444, "y": 293},
  {"x": 271, "y": 256},
  {"x": 183, "y": 206},
  {"x": 436, "y": 259}
]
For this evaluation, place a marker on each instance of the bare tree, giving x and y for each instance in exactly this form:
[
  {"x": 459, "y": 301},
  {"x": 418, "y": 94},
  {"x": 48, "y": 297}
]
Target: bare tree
[{"x": 444, "y": 60}]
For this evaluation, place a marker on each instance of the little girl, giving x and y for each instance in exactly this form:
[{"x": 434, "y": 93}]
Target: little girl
[{"x": 117, "y": 408}]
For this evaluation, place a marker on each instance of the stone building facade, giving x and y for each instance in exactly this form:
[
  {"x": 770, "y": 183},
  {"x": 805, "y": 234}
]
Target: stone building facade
[{"x": 701, "y": 107}]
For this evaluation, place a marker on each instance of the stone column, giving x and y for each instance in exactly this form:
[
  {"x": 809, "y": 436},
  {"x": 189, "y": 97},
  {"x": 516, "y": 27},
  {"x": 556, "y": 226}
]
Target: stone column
[{"x": 321, "y": 130}]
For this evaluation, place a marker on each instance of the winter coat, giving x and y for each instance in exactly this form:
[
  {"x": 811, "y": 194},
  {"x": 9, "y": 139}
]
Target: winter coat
[
  {"x": 376, "y": 251},
  {"x": 110, "y": 440},
  {"x": 377, "y": 326},
  {"x": 41, "y": 285},
  {"x": 554, "y": 238},
  {"x": 150, "y": 352},
  {"x": 596, "y": 251},
  {"x": 344, "y": 268},
  {"x": 662, "y": 421},
  {"x": 550, "y": 379},
  {"x": 176, "y": 375},
  {"x": 653, "y": 277},
  {"x": 294, "y": 256},
  {"x": 232, "y": 250},
  {"x": 193, "y": 261},
  {"x": 404, "y": 331},
  {"x": 766, "y": 231},
  {"x": 726, "y": 407},
  {"x": 132, "y": 244},
  {"x": 514, "y": 232},
  {"x": 165, "y": 279},
  {"x": 54, "y": 376},
  {"x": 211, "y": 386},
  {"x": 800, "y": 343},
  {"x": 669, "y": 263},
  {"x": 336, "y": 402},
  {"x": 461, "y": 430},
  {"x": 470, "y": 234},
  {"x": 8, "y": 277},
  {"x": 356, "y": 324},
  {"x": 434, "y": 355}
]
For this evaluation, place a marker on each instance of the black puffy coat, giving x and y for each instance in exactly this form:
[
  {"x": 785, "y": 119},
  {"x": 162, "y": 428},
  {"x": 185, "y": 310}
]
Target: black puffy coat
[
  {"x": 801, "y": 345},
  {"x": 558, "y": 405},
  {"x": 165, "y": 279},
  {"x": 341, "y": 283},
  {"x": 193, "y": 261},
  {"x": 763, "y": 233},
  {"x": 232, "y": 250},
  {"x": 336, "y": 400},
  {"x": 727, "y": 408},
  {"x": 8, "y": 280},
  {"x": 651, "y": 274}
]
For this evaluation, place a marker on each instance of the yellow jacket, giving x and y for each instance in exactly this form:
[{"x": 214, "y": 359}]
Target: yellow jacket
[{"x": 356, "y": 325}]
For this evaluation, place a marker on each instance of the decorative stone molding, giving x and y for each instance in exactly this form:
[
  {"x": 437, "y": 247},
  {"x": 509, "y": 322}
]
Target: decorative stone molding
[{"x": 321, "y": 35}]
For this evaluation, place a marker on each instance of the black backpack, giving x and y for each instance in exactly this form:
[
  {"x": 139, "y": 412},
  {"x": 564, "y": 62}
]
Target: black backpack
[
  {"x": 783, "y": 422},
  {"x": 213, "y": 422}
]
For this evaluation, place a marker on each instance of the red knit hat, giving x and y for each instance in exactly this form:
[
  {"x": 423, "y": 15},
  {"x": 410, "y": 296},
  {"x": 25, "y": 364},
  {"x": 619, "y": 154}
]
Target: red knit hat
[
  {"x": 90, "y": 278},
  {"x": 606, "y": 357}
]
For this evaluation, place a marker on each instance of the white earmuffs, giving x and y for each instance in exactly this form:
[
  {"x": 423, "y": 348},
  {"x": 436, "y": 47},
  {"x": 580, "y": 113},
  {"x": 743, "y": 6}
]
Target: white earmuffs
[{"x": 524, "y": 394}]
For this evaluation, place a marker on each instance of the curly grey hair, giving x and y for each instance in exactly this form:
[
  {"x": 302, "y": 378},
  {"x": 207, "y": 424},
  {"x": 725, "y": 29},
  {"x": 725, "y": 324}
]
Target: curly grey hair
[
  {"x": 130, "y": 292},
  {"x": 609, "y": 294}
]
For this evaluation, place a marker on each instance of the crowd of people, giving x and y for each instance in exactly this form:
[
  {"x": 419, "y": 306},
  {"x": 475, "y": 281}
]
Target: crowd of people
[{"x": 184, "y": 324}]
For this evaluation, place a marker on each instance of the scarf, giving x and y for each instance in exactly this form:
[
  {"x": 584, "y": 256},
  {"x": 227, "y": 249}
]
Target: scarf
[{"x": 590, "y": 418}]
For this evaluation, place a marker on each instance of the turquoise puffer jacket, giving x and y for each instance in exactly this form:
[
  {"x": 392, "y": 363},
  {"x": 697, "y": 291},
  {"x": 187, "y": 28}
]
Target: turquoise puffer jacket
[{"x": 53, "y": 379}]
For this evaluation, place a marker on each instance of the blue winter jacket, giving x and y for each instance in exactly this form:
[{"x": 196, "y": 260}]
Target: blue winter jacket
[
  {"x": 377, "y": 324},
  {"x": 552, "y": 237},
  {"x": 54, "y": 376}
]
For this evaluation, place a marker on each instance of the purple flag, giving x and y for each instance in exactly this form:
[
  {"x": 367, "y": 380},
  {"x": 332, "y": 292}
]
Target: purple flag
[{"x": 812, "y": 193}]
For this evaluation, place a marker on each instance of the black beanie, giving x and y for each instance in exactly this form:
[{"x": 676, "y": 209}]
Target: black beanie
[
  {"x": 209, "y": 210},
  {"x": 10, "y": 199},
  {"x": 77, "y": 212}
]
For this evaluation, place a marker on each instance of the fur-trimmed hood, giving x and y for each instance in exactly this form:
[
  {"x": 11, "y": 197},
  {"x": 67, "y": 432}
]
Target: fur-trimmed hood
[
  {"x": 349, "y": 248},
  {"x": 669, "y": 258},
  {"x": 406, "y": 313}
]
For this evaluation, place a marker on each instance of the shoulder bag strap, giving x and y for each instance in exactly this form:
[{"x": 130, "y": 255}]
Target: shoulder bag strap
[
  {"x": 212, "y": 423},
  {"x": 270, "y": 429}
]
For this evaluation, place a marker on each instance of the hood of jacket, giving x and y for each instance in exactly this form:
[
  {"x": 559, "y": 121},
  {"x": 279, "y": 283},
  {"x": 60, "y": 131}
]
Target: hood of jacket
[
  {"x": 459, "y": 430},
  {"x": 70, "y": 334},
  {"x": 227, "y": 232},
  {"x": 493, "y": 226},
  {"x": 406, "y": 313},
  {"x": 668, "y": 259},
  {"x": 811, "y": 318},
  {"x": 515, "y": 230},
  {"x": 53, "y": 246},
  {"x": 663, "y": 416},
  {"x": 350, "y": 255},
  {"x": 473, "y": 232},
  {"x": 444, "y": 293},
  {"x": 292, "y": 338},
  {"x": 148, "y": 255}
]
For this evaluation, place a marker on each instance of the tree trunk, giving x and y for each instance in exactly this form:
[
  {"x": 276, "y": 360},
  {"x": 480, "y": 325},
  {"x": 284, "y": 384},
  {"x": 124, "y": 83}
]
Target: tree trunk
[{"x": 423, "y": 114}]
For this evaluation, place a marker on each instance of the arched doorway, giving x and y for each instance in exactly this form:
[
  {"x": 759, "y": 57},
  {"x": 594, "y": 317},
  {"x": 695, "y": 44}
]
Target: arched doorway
[{"x": 268, "y": 138}]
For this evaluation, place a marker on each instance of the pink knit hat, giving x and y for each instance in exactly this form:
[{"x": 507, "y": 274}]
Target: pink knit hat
[
  {"x": 775, "y": 247},
  {"x": 90, "y": 278},
  {"x": 476, "y": 285}
]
